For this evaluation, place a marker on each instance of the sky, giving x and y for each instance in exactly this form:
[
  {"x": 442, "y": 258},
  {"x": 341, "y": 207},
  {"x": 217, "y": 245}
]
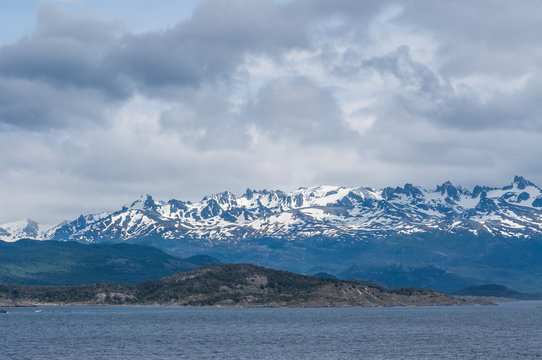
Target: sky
[{"x": 104, "y": 101}]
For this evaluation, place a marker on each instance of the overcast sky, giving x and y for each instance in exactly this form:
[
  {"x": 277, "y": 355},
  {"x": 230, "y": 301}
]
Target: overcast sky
[{"x": 103, "y": 101}]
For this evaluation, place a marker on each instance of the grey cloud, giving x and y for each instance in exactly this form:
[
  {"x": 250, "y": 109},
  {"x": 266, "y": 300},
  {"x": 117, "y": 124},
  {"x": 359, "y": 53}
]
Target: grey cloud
[
  {"x": 38, "y": 106},
  {"x": 205, "y": 119},
  {"x": 209, "y": 47},
  {"x": 292, "y": 109},
  {"x": 74, "y": 55},
  {"x": 53, "y": 22},
  {"x": 423, "y": 123},
  {"x": 360, "y": 12},
  {"x": 411, "y": 74},
  {"x": 429, "y": 154},
  {"x": 482, "y": 36},
  {"x": 260, "y": 25},
  {"x": 299, "y": 110},
  {"x": 420, "y": 94},
  {"x": 57, "y": 77},
  {"x": 64, "y": 52},
  {"x": 517, "y": 109},
  {"x": 425, "y": 95},
  {"x": 67, "y": 52}
]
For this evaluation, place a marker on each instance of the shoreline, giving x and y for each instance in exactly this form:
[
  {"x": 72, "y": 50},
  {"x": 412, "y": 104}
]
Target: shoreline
[{"x": 477, "y": 303}]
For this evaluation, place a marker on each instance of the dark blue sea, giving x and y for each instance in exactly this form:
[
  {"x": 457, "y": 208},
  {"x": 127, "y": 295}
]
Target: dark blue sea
[{"x": 505, "y": 331}]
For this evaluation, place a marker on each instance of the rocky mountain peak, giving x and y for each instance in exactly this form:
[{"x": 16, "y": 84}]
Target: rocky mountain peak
[
  {"x": 521, "y": 182},
  {"x": 329, "y": 211},
  {"x": 449, "y": 190}
]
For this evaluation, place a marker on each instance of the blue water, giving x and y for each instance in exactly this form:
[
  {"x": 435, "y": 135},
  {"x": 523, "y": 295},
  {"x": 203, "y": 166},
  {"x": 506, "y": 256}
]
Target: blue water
[{"x": 506, "y": 331}]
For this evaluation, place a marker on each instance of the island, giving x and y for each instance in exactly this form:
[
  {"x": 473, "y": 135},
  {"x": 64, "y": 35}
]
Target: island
[{"x": 230, "y": 285}]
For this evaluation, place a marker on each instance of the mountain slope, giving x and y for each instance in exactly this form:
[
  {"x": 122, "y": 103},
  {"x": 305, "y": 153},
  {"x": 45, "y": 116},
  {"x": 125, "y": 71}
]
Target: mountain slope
[
  {"x": 484, "y": 234},
  {"x": 493, "y": 290},
  {"x": 70, "y": 263},
  {"x": 401, "y": 276},
  {"x": 230, "y": 285},
  {"x": 333, "y": 212}
]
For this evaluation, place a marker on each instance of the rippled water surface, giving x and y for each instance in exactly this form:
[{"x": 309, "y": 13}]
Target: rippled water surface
[{"x": 506, "y": 331}]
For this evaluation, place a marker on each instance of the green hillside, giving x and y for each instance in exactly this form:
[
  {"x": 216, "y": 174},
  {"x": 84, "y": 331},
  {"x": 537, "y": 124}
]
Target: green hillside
[{"x": 31, "y": 262}]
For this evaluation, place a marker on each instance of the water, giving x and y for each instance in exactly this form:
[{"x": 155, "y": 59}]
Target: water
[{"x": 506, "y": 331}]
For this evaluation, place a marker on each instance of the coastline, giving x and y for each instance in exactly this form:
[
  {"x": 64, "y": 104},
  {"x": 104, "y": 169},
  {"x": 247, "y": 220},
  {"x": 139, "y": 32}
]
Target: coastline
[{"x": 470, "y": 302}]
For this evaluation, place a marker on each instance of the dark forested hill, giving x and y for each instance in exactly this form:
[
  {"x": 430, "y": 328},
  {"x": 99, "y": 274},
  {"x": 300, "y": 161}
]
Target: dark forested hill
[
  {"x": 493, "y": 290},
  {"x": 69, "y": 263},
  {"x": 229, "y": 285}
]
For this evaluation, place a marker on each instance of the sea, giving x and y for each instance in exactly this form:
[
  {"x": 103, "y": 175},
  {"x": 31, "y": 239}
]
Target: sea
[{"x": 505, "y": 331}]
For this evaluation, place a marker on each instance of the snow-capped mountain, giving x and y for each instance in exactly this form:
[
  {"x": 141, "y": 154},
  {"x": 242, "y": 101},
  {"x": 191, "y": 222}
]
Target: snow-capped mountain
[
  {"x": 330, "y": 212},
  {"x": 26, "y": 228}
]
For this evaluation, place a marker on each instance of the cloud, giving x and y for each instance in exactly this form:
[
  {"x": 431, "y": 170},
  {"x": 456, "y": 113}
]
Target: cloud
[
  {"x": 208, "y": 119},
  {"x": 64, "y": 52},
  {"x": 267, "y": 94},
  {"x": 210, "y": 46},
  {"x": 484, "y": 37},
  {"x": 58, "y": 77},
  {"x": 292, "y": 109},
  {"x": 38, "y": 106},
  {"x": 298, "y": 110},
  {"x": 421, "y": 93},
  {"x": 73, "y": 55}
]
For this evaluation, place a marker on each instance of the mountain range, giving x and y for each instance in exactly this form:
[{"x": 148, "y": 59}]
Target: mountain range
[
  {"x": 325, "y": 211},
  {"x": 483, "y": 234}
]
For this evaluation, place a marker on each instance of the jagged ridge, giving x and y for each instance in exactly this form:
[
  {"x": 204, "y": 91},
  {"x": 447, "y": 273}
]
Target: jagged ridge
[{"x": 331, "y": 212}]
